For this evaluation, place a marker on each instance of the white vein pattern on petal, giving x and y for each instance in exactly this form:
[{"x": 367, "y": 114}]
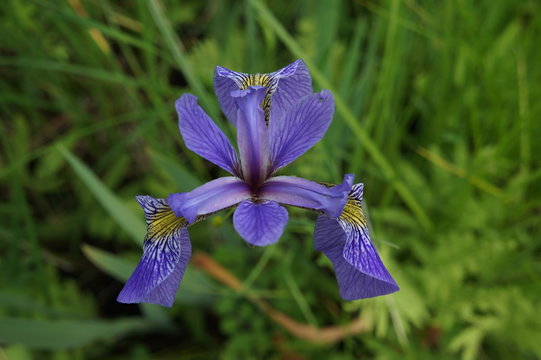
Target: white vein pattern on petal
[
  {"x": 358, "y": 249},
  {"x": 162, "y": 242}
]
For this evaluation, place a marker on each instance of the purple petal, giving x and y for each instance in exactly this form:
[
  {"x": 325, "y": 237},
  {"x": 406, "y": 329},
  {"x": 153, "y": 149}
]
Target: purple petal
[
  {"x": 166, "y": 253},
  {"x": 252, "y": 134},
  {"x": 289, "y": 84},
  {"x": 203, "y": 136},
  {"x": 304, "y": 193},
  {"x": 346, "y": 242},
  {"x": 225, "y": 82},
  {"x": 358, "y": 249},
  {"x": 302, "y": 126},
  {"x": 294, "y": 83},
  {"x": 260, "y": 223},
  {"x": 208, "y": 198}
]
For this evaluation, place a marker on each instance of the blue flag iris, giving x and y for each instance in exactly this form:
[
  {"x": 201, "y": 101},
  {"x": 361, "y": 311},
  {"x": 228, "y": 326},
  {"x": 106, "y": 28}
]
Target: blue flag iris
[{"x": 277, "y": 118}]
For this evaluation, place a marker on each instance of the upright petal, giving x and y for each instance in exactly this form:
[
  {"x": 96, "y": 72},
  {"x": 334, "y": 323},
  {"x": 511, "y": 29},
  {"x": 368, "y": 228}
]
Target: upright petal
[
  {"x": 166, "y": 253},
  {"x": 252, "y": 134},
  {"x": 203, "y": 136},
  {"x": 345, "y": 241},
  {"x": 303, "y": 125},
  {"x": 290, "y": 84},
  {"x": 260, "y": 223},
  {"x": 226, "y": 81},
  {"x": 307, "y": 194},
  {"x": 211, "y": 197},
  {"x": 293, "y": 83}
]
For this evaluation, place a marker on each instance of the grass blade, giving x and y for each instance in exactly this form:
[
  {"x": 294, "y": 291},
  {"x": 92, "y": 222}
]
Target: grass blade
[
  {"x": 64, "y": 334},
  {"x": 123, "y": 215}
]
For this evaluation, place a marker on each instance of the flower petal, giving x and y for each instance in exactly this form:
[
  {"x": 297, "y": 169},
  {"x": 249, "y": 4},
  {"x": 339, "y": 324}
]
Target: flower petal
[
  {"x": 203, "y": 136},
  {"x": 260, "y": 223},
  {"x": 303, "y": 125},
  {"x": 208, "y": 198},
  {"x": 291, "y": 190},
  {"x": 226, "y": 81},
  {"x": 166, "y": 253},
  {"x": 359, "y": 269},
  {"x": 294, "y": 83},
  {"x": 289, "y": 84},
  {"x": 252, "y": 134}
]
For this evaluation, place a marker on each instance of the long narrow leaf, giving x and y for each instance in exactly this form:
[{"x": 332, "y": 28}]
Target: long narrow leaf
[
  {"x": 123, "y": 215},
  {"x": 64, "y": 334}
]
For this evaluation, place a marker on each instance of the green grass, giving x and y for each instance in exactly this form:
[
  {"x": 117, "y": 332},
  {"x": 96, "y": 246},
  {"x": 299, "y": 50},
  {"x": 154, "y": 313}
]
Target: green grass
[{"x": 436, "y": 112}]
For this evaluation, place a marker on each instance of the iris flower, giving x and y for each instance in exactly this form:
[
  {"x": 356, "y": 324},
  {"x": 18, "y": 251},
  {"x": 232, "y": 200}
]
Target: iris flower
[{"x": 277, "y": 118}]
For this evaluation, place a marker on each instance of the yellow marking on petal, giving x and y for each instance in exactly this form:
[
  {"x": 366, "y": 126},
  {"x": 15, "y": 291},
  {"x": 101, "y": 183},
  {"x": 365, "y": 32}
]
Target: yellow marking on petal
[
  {"x": 162, "y": 223},
  {"x": 353, "y": 211},
  {"x": 248, "y": 80},
  {"x": 244, "y": 81},
  {"x": 164, "y": 226}
]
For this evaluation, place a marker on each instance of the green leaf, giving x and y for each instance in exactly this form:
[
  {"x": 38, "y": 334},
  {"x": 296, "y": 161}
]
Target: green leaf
[
  {"x": 64, "y": 334},
  {"x": 173, "y": 43},
  {"x": 16, "y": 352},
  {"x": 123, "y": 215},
  {"x": 113, "y": 265},
  {"x": 182, "y": 177}
]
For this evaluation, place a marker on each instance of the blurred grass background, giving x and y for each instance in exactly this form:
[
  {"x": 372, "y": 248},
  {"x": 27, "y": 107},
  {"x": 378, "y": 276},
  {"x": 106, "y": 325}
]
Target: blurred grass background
[{"x": 438, "y": 113}]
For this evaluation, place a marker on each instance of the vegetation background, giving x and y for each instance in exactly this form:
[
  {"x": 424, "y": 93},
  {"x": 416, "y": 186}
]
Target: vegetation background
[{"x": 438, "y": 113}]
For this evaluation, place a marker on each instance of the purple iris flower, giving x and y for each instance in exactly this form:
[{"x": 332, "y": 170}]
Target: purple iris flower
[{"x": 277, "y": 118}]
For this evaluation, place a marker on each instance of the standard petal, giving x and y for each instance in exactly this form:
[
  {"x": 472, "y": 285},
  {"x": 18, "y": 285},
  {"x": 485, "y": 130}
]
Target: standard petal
[
  {"x": 224, "y": 84},
  {"x": 260, "y": 223},
  {"x": 289, "y": 84},
  {"x": 294, "y": 83},
  {"x": 346, "y": 242},
  {"x": 166, "y": 253},
  {"x": 291, "y": 190},
  {"x": 213, "y": 196},
  {"x": 303, "y": 125},
  {"x": 252, "y": 134},
  {"x": 203, "y": 136}
]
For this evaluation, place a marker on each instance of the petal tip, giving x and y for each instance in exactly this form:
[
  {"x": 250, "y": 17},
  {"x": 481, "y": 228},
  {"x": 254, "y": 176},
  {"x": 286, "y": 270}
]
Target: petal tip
[
  {"x": 325, "y": 95},
  {"x": 222, "y": 71},
  {"x": 186, "y": 100},
  {"x": 291, "y": 69},
  {"x": 351, "y": 296},
  {"x": 142, "y": 199},
  {"x": 348, "y": 179},
  {"x": 300, "y": 63}
]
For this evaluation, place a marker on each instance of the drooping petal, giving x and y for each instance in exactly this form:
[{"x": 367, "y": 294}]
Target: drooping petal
[
  {"x": 345, "y": 241},
  {"x": 289, "y": 84},
  {"x": 303, "y": 125},
  {"x": 252, "y": 134},
  {"x": 291, "y": 190},
  {"x": 260, "y": 223},
  {"x": 208, "y": 198},
  {"x": 203, "y": 136},
  {"x": 166, "y": 253}
]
